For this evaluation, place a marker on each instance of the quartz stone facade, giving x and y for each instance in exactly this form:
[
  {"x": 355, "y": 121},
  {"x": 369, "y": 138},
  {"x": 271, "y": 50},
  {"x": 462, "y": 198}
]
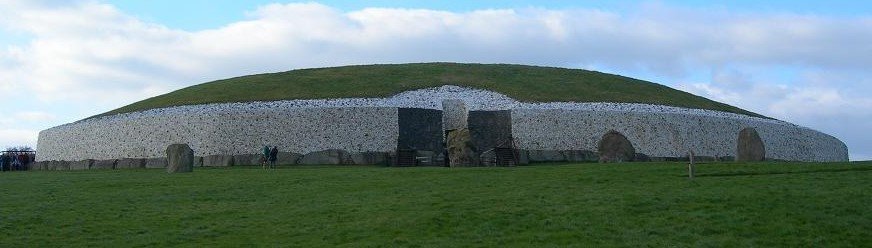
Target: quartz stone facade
[{"x": 372, "y": 125}]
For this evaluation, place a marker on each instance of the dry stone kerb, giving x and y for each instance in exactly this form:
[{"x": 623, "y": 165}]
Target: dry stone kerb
[{"x": 361, "y": 125}]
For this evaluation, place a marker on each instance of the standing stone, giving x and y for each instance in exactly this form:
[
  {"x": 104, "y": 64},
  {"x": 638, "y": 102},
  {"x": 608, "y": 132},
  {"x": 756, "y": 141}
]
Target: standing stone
[
  {"x": 454, "y": 115},
  {"x": 180, "y": 158},
  {"x": 615, "y": 147},
  {"x": 750, "y": 146},
  {"x": 460, "y": 151}
]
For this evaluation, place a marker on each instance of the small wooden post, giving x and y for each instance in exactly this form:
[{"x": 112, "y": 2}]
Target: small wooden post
[{"x": 690, "y": 165}]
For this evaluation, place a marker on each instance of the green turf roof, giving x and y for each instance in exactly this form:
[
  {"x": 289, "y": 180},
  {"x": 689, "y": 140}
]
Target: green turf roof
[{"x": 524, "y": 83}]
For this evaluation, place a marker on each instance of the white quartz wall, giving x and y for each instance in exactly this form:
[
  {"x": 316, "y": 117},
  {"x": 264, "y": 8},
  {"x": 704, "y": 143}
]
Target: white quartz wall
[
  {"x": 669, "y": 134},
  {"x": 370, "y": 124},
  {"x": 223, "y": 132}
]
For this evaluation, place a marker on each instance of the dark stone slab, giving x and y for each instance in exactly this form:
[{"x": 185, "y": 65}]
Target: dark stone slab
[
  {"x": 248, "y": 159},
  {"x": 287, "y": 158},
  {"x": 40, "y": 165},
  {"x": 641, "y": 157},
  {"x": 580, "y": 156},
  {"x": 369, "y": 158},
  {"x": 326, "y": 157},
  {"x": 545, "y": 156},
  {"x": 130, "y": 163},
  {"x": 104, "y": 164},
  {"x": 523, "y": 157},
  {"x": 218, "y": 161},
  {"x": 490, "y": 129},
  {"x": 157, "y": 163},
  {"x": 750, "y": 146},
  {"x": 57, "y": 165},
  {"x": 420, "y": 129},
  {"x": 81, "y": 165}
]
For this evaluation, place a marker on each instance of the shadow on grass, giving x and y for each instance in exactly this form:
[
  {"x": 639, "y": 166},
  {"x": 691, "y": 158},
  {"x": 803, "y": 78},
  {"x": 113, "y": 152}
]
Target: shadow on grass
[{"x": 760, "y": 173}]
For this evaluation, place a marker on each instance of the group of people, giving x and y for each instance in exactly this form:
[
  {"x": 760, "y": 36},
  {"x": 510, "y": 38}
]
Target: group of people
[
  {"x": 15, "y": 160},
  {"x": 270, "y": 156}
]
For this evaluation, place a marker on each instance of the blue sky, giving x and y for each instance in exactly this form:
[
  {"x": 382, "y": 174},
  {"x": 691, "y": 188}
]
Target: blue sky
[
  {"x": 204, "y": 14},
  {"x": 800, "y": 61}
]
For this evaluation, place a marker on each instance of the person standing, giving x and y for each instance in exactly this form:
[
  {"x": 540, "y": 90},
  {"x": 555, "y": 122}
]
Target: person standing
[
  {"x": 272, "y": 157},
  {"x": 265, "y": 157}
]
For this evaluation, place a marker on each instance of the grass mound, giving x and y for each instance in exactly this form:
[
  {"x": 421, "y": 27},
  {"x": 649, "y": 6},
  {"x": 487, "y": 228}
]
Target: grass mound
[
  {"x": 525, "y": 83},
  {"x": 587, "y": 205}
]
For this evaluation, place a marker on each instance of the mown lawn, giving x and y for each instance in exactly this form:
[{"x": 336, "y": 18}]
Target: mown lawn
[{"x": 588, "y": 205}]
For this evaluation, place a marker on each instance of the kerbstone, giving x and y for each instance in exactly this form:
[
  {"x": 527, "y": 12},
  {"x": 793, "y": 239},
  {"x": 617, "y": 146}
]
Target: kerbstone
[
  {"x": 218, "y": 161},
  {"x": 287, "y": 158},
  {"x": 545, "y": 156},
  {"x": 369, "y": 158},
  {"x": 156, "y": 163},
  {"x": 104, "y": 164},
  {"x": 81, "y": 165},
  {"x": 326, "y": 157},
  {"x": 247, "y": 159},
  {"x": 370, "y": 125},
  {"x": 130, "y": 163}
]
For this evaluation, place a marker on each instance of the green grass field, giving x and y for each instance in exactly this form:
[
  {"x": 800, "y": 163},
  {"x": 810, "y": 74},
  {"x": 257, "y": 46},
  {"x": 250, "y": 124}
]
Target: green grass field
[
  {"x": 587, "y": 205},
  {"x": 525, "y": 83}
]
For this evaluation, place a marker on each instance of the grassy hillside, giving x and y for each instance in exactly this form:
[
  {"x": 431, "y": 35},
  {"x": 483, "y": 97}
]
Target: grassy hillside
[
  {"x": 585, "y": 205},
  {"x": 525, "y": 83}
]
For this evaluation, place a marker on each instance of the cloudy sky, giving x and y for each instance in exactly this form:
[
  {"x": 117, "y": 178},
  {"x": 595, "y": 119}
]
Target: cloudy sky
[{"x": 806, "y": 62}]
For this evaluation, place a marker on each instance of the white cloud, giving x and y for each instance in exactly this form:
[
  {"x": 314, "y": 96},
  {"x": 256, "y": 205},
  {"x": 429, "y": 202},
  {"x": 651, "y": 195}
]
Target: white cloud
[
  {"x": 33, "y": 116},
  {"x": 841, "y": 110},
  {"x": 18, "y": 137},
  {"x": 91, "y": 54}
]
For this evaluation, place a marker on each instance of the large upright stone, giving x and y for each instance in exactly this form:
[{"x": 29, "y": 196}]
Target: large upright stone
[
  {"x": 460, "y": 151},
  {"x": 454, "y": 114},
  {"x": 615, "y": 147},
  {"x": 749, "y": 146},
  {"x": 180, "y": 158}
]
